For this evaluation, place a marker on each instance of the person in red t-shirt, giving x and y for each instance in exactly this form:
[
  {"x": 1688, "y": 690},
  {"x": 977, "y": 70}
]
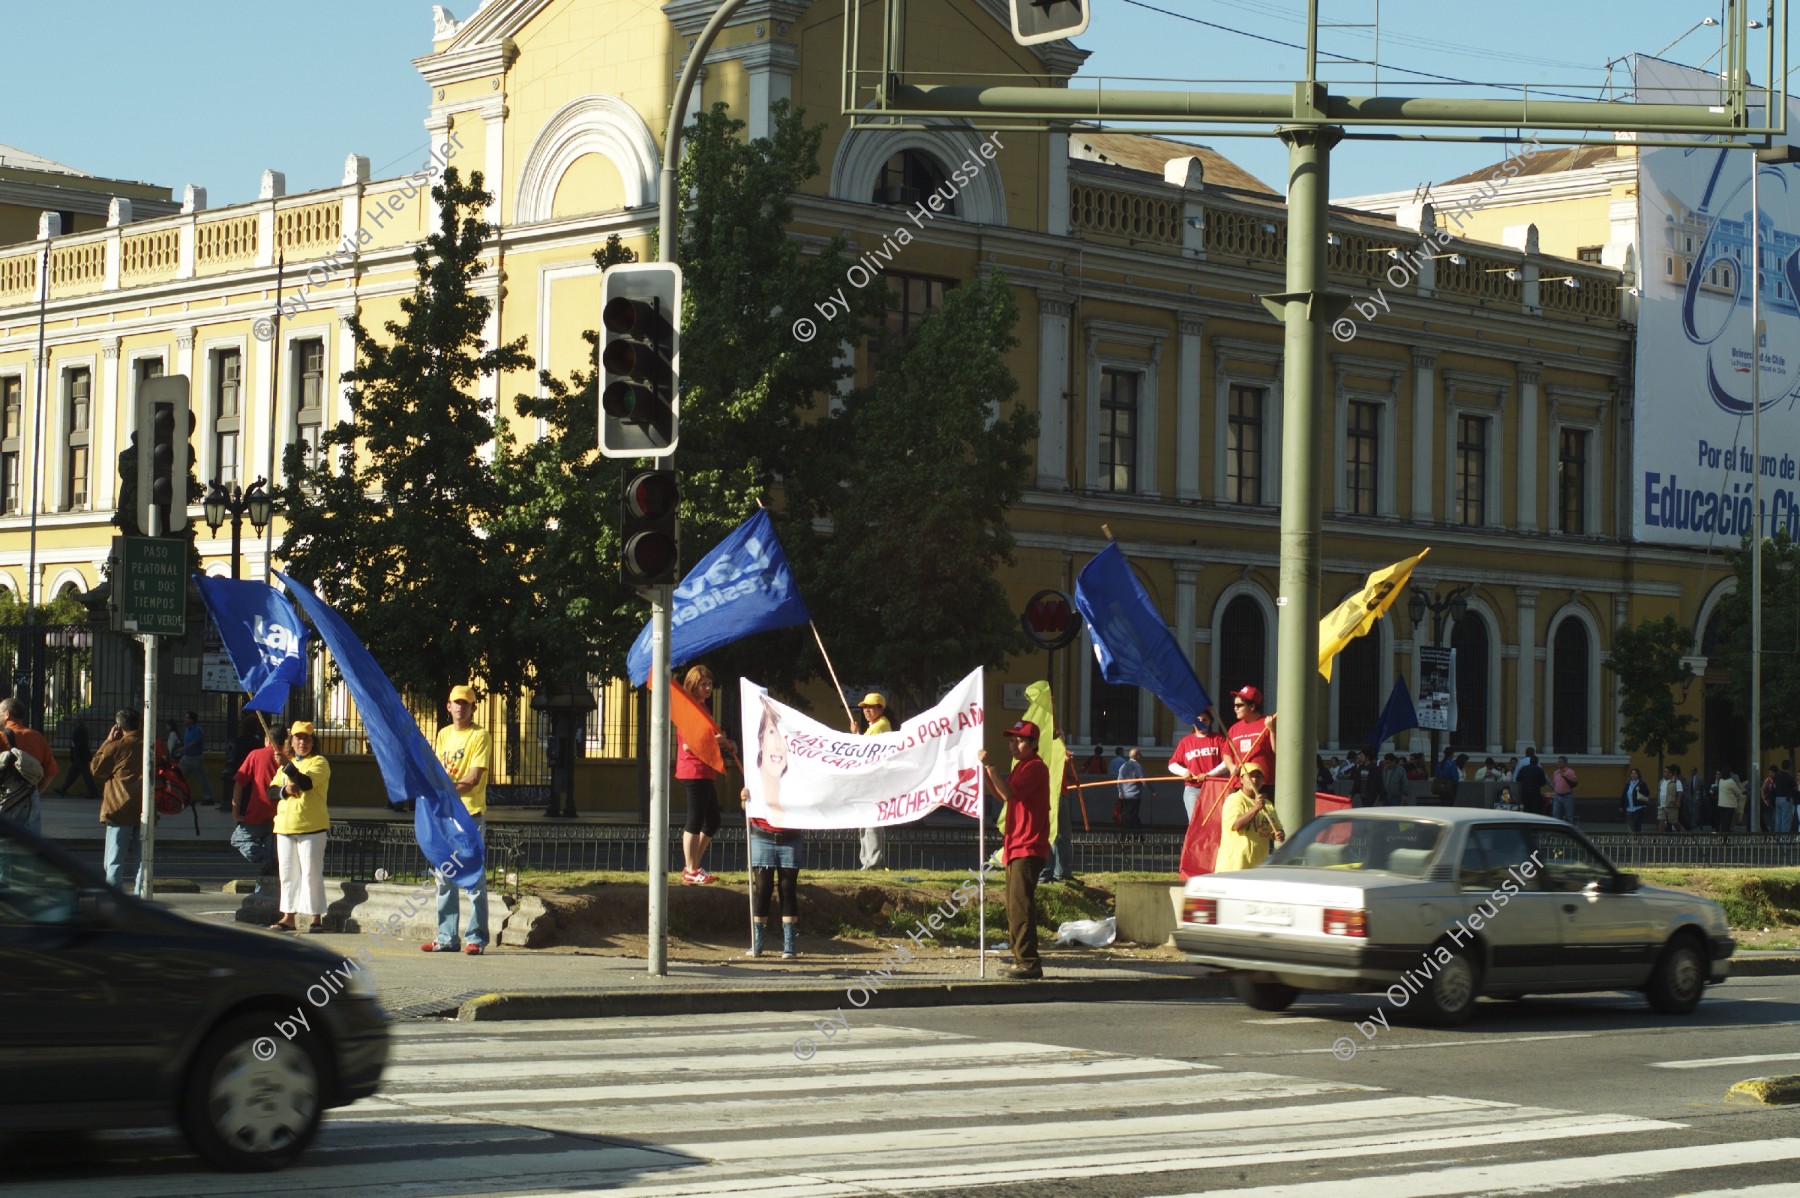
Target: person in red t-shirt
[
  {"x": 1026, "y": 793},
  {"x": 696, "y": 777},
  {"x": 250, "y": 806},
  {"x": 1196, "y": 757},
  {"x": 1253, "y": 736}
]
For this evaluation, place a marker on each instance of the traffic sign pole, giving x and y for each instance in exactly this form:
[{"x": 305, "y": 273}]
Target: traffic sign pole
[{"x": 147, "y": 870}]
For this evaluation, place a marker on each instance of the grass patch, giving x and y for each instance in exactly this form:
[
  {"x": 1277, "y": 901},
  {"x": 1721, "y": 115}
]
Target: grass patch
[{"x": 1752, "y": 898}]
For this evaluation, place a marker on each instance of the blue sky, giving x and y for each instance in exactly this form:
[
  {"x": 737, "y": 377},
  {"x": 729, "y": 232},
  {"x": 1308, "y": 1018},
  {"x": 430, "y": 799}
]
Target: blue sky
[{"x": 213, "y": 91}]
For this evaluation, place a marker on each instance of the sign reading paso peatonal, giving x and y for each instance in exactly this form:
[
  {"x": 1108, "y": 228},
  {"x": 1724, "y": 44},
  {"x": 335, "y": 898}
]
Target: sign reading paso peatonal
[{"x": 152, "y": 585}]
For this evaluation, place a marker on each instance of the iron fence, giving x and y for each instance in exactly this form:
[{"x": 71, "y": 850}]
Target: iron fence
[{"x": 1745, "y": 852}]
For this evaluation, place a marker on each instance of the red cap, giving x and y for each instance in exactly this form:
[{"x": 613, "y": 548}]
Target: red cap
[
  {"x": 1248, "y": 694},
  {"x": 1024, "y": 728}
]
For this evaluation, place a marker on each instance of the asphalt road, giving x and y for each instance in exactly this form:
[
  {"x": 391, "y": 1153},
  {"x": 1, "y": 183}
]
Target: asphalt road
[{"x": 1590, "y": 1095}]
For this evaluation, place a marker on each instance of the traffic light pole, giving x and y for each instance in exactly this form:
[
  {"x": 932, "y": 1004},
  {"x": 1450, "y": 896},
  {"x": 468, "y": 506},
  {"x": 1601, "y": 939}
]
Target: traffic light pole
[
  {"x": 656, "y": 858},
  {"x": 147, "y": 870}
]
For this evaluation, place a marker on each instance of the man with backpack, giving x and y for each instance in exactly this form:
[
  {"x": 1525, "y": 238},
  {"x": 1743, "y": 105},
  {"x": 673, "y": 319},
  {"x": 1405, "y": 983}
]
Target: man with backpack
[{"x": 26, "y": 766}]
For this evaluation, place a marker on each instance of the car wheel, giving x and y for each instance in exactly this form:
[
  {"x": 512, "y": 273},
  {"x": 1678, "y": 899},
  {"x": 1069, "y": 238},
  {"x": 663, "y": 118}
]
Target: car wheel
[
  {"x": 1263, "y": 996},
  {"x": 252, "y": 1102},
  {"x": 1678, "y": 979},
  {"x": 1449, "y": 994}
]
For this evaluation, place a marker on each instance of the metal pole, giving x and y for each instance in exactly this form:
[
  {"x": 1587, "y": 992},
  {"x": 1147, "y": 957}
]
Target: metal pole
[
  {"x": 1756, "y": 503},
  {"x": 1305, "y": 308},
  {"x": 274, "y": 410},
  {"x": 147, "y": 869},
  {"x": 33, "y": 701},
  {"x": 657, "y": 859}
]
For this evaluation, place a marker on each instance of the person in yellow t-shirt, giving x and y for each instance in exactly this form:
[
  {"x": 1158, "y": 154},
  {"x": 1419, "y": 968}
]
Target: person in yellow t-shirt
[
  {"x": 1248, "y": 825},
  {"x": 465, "y": 749},
  {"x": 875, "y": 717},
  {"x": 302, "y": 782}
]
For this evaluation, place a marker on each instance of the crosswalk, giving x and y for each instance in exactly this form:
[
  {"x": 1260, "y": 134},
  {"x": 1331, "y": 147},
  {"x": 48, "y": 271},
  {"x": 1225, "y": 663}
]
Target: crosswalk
[{"x": 678, "y": 1107}]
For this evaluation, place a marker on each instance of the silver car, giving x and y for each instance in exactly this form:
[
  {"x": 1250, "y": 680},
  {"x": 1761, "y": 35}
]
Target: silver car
[{"x": 1449, "y": 904}]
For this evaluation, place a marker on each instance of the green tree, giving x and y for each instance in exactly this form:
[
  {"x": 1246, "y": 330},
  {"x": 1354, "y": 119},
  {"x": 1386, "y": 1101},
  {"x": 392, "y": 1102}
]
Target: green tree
[
  {"x": 915, "y": 475},
  {"x": 1646, "y": 658},
  {"x": 747, "y": 384},
  {"x": 1780, "y": 639},
  {"x": 390, "y": 521}
]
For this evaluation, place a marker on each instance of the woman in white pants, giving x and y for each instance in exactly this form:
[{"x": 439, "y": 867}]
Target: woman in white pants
[{"x": 302, "y": 778}]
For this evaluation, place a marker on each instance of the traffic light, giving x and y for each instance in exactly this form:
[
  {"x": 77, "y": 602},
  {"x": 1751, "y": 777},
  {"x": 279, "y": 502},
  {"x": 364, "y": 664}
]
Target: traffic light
[
  {"x": 640, "y": 360},
  {"x": 1036, "y": 21},
  {"x": 649, "y": 542},
  {"x": 164, "y": 424}
]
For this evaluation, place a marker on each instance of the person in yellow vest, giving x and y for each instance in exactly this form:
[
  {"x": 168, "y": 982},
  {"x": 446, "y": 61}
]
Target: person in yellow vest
[
  {"x": 465, "y": 749},
  {"x": 303, "y": 781},
  {"x": 1250, "y": 828}
]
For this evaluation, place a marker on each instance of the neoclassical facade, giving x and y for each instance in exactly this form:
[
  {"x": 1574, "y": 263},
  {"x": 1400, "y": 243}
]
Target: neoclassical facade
[{"x": 1479, "y": 402}]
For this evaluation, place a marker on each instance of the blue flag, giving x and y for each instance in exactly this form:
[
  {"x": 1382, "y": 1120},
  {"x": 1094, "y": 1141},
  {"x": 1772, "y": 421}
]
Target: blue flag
[
  {"x": 448, "y": 835},
  {"x": 1397, "y": 716},
  {"x": 263, "y": 637},
  {"x": 1135, "y": 647},
  {"x": 742, "y": 587}
]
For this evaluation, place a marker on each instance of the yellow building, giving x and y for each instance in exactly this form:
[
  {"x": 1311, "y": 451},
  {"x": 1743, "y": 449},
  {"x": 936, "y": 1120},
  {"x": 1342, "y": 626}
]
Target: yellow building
[{"x": 1479, "y": 399}]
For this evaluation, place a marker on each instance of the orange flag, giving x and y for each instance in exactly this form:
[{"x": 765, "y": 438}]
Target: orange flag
[{"x": 696, "y": 727}]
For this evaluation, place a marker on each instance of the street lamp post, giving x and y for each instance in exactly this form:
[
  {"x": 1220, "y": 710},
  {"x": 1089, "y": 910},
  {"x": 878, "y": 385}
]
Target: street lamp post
[
  {"x": 1452, "y": 604},
  {"x": 235, "y": 503}
]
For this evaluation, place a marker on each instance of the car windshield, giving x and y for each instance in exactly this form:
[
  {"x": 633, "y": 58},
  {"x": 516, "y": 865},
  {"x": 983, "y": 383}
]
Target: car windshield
[{"x": 1395, "y": 846}]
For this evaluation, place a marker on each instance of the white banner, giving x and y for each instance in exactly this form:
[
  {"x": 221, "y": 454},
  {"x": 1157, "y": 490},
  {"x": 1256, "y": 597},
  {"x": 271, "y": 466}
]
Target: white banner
[
  {"x": 801, "y": 774},
  {"x": 1692, "y": 458}
]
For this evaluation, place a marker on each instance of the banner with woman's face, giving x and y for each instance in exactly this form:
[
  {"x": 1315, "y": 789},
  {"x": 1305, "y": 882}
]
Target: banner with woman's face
[{"x": 802, "y": 774}]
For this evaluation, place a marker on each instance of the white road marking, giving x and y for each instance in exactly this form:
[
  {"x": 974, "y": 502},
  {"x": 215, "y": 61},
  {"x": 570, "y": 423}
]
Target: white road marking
[{"x": 1717, "y": 1062}]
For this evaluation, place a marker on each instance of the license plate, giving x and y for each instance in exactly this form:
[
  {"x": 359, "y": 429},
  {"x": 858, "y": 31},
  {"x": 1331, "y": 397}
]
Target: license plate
[{"x": 1271, "y": 913}]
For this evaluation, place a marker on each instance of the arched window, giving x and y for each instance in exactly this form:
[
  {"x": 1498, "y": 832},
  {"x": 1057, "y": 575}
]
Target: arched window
[
  {"x": 1469, "y": 637},
  {"x": 1112, "y": 710},
  {"x": 1359, "y": 697},
  {"x": 1569, "y": 688},
  {"x": 1243, "y": 648},
  {"x": 910, "y": 177}
]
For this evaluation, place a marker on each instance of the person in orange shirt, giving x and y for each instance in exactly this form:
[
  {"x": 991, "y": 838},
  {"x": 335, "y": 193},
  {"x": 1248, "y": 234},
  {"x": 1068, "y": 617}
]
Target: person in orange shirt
[{"x": 13, "y": 712}]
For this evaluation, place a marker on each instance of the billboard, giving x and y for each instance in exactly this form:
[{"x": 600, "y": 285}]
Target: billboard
[{"x": 1692, "y": 460}]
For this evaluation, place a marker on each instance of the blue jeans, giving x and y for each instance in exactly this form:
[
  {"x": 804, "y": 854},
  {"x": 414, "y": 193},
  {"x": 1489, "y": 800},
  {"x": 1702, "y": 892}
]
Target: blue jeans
[
  {"x": 447, "y": 908},
  {"x": 1562, "y": 807},
  {"x": 123, "y": 842},
  {"x": 1784, "y": 814},
  {"x": 254, "y": 842}
]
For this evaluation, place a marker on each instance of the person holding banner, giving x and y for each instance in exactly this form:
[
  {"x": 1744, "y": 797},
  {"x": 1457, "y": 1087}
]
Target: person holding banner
[
  {"x": 696, "y": 777},
  {"x": 1251, "y": 828},
  {"x": 775, "y": 856},
  {"x": 875, "y": 717},
  {"x": 1195, "y": 758},
  {"x": 1026, "y": 793}
]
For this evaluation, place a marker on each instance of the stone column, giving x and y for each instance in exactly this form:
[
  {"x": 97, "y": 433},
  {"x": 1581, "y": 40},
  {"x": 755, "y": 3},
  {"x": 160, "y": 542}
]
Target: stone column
[
  {"x": 1526, "y": 697},
  {"x": 1187, "y": 409},
  {"x": 1424, "y": 408},
  {"x": 1529, "y": 373}
]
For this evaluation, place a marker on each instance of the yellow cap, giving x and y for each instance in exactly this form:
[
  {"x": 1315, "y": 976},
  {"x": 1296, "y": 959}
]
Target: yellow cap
[
  {"x": 464, "y": 693},
  {"x": 300, "y": 728}
]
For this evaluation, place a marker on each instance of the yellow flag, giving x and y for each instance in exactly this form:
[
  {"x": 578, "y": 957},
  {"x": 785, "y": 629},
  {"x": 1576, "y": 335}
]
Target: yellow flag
[
  {"x": 1357, "y": 614},
  {"x": 1052, "y": 750}
]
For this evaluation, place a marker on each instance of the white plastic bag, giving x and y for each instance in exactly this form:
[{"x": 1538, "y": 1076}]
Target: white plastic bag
[{"x": 1095, "y": 933}]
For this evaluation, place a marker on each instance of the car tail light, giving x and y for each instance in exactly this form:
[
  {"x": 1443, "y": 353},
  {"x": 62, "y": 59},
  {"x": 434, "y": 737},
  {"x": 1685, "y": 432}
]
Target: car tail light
[
  {"x": 1341, "y": 921},
  {"x": 1200, "y": 910}
]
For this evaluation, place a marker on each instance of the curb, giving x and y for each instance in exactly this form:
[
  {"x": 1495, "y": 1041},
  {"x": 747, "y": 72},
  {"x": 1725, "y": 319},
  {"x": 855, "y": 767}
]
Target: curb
[
  {"x": 791, "y": 1000},
  {"x": 1764, "y": 967},
  {"x": 1766, "y": 1091}
]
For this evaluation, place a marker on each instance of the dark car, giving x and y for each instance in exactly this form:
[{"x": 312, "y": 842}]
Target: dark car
[{"x": 115, "y": 1012}]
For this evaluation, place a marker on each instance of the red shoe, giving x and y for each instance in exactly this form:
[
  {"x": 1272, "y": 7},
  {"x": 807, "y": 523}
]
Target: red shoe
[
  {"x": 435, "y": 947},
  {"x": 690, "y": 877},
  {"x": 703, "y": 878},
  {"x": 473, "y": 949}
]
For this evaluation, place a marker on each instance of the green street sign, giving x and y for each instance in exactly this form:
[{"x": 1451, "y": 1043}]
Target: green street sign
[{"x": 152, "y": 585}]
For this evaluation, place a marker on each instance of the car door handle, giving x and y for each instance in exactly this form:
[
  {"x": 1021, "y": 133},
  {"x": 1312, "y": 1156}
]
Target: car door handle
[{"x": 1568, "y": 908}]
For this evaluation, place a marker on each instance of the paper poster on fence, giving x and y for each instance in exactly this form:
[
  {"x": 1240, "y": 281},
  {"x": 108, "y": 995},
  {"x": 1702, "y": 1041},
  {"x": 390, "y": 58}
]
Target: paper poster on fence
[{"x": 802, "y": 774}]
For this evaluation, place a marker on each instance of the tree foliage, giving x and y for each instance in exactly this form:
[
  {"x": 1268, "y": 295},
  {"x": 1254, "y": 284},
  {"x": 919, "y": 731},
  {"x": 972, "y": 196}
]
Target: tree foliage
[
  {"x": 1646, "y": 658},
  {"x": 915, "y": 474},
  {"x": 392, "y": 521},
  {"x": 1780, "y": 638}
]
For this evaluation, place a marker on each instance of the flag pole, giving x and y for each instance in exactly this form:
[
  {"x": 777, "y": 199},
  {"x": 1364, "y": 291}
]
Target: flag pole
[
  {"x": 981, "y": 862},
  {"x": 838, "y": 686}
]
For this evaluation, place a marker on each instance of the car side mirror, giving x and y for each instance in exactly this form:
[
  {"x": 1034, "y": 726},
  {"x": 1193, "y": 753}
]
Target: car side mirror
[{"x": 1619, "y": 883}]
